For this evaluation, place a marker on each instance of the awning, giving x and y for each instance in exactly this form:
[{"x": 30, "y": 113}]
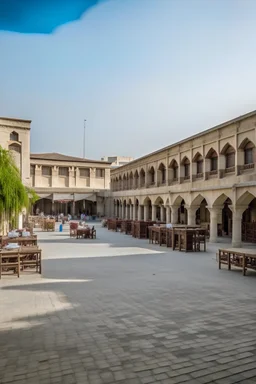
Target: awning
[
  {"x": 44, "y": 195},
  {"x": 63, "y": 197},
  {"x": 85, "y": 196},
  {"x": 67, "y": 197}
]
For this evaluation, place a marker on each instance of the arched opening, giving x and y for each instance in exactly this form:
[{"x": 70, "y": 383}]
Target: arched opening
[
  {"x": 174, "y": 171},
  {"x": 249, "y": 222},
  {"x": 186, "y": 168},
  {"x": 211, "y": 163},
  {"x": 14, "y": 136},
  {"x": 182, "y": 213},
  {"x": 151, "y": 176},
  {"x": 198, "y": 166},
  {"x": 147, "y": 212},
  {"x": 202, "y": 213},
  {"x": 224, "y": 219},
  {"x": 124, "y": 182},
  {"x": 160, "y": 209},
  {"x": 118, "y": 209},
  {"x": 142, "y": 178},
  {"x": 131, "y": 180},
  {"x": 136, "y": 179},
  {"x": 120, "y": 183},
  {"x": 162, "y": 174},
  {"x": 230, "y": 155},
  {"x": 15, "y": 150}
]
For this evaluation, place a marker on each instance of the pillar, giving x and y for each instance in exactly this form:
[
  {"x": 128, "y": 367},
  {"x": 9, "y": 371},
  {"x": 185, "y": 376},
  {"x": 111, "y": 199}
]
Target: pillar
[
  {"x": 214, "y": 213},
  {"x": 162, "y": 213},
  {"x": 175, "y": 215},
  {"x": 191, "y": 211},
  {"x": 20, "y": 221},
  {"x": 146, "y": 209},
  {"x": 168, "y": 214},
  {"x": 237, "y": 225},
  {"x": 153, "y": 212},
  {"x": 73, "y": 208},
  {"x": 139, "y": 212},
  {"x": 134, "y": 212}
]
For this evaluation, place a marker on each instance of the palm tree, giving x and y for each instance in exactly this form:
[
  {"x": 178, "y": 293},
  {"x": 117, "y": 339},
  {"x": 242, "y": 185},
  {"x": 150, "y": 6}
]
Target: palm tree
[{"x": 14, "y": 196}]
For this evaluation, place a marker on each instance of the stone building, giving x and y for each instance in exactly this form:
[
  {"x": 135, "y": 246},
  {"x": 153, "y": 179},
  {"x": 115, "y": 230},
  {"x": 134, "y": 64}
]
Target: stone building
[
  {"x": 208, "y": 178},
  {"x": 117, "y": 161},
  {"x": 67, "y": 184},
  {"x": 64, "y": 183}
]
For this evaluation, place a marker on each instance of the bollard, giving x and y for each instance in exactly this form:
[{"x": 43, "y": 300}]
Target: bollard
[{"x": 60, "y": 227}]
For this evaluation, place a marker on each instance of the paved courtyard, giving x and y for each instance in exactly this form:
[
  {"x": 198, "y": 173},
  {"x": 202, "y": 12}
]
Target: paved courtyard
[{"x": 118, "y": 310}]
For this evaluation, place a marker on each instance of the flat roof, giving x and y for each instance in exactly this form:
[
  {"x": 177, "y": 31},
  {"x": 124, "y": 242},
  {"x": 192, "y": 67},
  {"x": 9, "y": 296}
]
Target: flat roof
[
  {"x": 215, "y": 128},
  {"x": 15, "y": 119},
  {"x": 54, "y": 156}
]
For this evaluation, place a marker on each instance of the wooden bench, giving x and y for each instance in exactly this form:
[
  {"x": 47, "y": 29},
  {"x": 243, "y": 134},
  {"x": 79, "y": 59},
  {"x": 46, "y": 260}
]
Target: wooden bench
[
  {"x": 244, "y": 258},
  {"x": 20, "y": 259}
]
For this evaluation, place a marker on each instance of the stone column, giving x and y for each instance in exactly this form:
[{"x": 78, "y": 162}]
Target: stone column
[
  {"x": 146, "y": 209},
  {"x": 162, "y": 213},
  {"x": 174, "y": 214},
  {"x": 134, "y": 212},
  {"x": 192, "y": 214},
  {"x": 123, "y": 212},
  {"x": 153, "y": 212},
  {"x": 214, "y": 213},
  {"x": 237, "y": 225},
  {"x": 168, "y": 214},
  {"x": 139, "y": 212}
]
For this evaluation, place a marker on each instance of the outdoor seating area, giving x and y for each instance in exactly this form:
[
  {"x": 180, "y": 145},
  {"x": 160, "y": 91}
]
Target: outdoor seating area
[
  {"x": 178, "y": 237},
  {"x": 81, "y": 230},
  {"x": 19, "y": 253},
  {"x": 243, "y": 258},
  {"x": 45, "y": 223}
]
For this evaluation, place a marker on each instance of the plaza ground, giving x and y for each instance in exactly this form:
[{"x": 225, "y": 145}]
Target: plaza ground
[{"x": 118, "y": 310}]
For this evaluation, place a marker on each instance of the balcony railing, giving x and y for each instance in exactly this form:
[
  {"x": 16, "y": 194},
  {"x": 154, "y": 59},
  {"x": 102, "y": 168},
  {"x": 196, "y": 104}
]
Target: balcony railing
[
  {"x": 187, "y": 177},
  {"x": 230, "y": 170},
  {"x": 247, "y": 166},
  {"x": 214, "y": 172},
  {"x": 199, "y": 175}
]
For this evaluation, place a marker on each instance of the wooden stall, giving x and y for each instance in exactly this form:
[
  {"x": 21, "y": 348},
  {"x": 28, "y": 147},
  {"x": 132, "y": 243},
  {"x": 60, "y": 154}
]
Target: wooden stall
[
  {"x": 126, "y": 226},
  {"x": 114, "y": 224}
]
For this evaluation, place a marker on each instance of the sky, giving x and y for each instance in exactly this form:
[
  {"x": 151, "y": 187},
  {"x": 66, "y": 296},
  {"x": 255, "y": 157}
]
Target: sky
[{"x": 143, "y": 73}]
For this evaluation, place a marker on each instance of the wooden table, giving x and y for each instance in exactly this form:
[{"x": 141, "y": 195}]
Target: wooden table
[
  {"x": 21, "y": 258},
  {"x": 22, "y": 241},
  {"x": 244, "y": 258},
  {"x": 188, "y": 239}
]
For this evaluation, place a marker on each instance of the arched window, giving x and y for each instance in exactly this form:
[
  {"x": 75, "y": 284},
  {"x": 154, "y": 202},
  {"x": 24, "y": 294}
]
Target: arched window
[
  {"x": 142, "y": 178},
  {"x": 199, "y": 165},
  {"x": 230, "y": 157},
  {"x": 162, "y": 171},
  {"x": 186, "y": 165},
  {"x": 175, "y": 168},
  {"x": 14, "y": 136},
  {"x": 248, "y": 153},
  {"x": 151, "y": 176}
]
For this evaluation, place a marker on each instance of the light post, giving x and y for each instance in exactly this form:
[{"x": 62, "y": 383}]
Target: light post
[{"x": 84, "y": 139}]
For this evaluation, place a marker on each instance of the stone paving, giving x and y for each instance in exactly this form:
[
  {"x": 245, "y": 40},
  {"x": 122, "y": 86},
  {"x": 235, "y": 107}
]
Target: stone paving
[{"x": 146, "y": 315}]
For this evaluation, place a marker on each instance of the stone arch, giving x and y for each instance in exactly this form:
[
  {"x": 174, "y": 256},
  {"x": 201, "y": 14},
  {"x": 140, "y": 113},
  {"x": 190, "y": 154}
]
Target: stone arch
[
  {"x": 197, "y": 156},
  {"x": 178, "y": 200},
  {"x": 14, "y": 136},
  {"x": 185, "y": 160},
  {"x": 245, "y": 199},
  {"x": 227, "y": 147},
  {"x": 198, "y": 200},
  {"x": 15, "y": 151},
  {"x": 220, "y": 200},
  {"x": 245, "y": 142},
  {"x": 146, "y": 201},
  {"x": 151, "y": 174},
  {"x": 162, "y": 173},
  {"x": 159, "y": 201},
  {"x": 142, "y": 177},
  {"x": 211, "y": 153},
  {"x": 173, "y": 170},
  {"x": 136, "y": 179}
]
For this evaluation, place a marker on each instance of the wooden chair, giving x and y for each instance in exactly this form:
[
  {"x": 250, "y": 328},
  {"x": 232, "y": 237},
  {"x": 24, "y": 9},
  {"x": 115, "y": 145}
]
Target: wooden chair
[
  {"x": 9, "y": 260},
  {"x": 73, "y": 229}
]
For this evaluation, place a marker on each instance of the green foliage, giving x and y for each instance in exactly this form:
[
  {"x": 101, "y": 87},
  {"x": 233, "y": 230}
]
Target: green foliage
[{"x": 14, "y": 196}]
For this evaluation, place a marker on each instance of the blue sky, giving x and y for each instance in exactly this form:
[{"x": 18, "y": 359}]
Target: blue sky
[{"x": 144, "y": 73}]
